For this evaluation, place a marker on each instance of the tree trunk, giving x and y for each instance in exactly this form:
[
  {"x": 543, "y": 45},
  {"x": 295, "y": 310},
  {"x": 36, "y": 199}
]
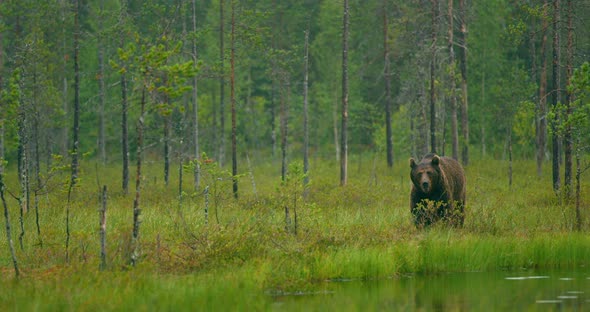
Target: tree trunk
[
  {"x": 510, "y": 157},
  {"x": 284, "y": 129},
  {"x": 273, "y": 118},
  {"x": 7, "y": 223},
  {"x": 464, "y": 103},
  {"x": 387, "y": 81},
  {"x": 167, "y": 148},
  {"x": 76, "y": 127},
  {"x": 101, "y": 88},
  {"x": 65, "y": 146},
  {"x": 306, "y": 111},
  {"x": 578, "y": 174},
  {"x": 221, "y": 156},
  {"x": 23, "y": 168},
  {"x": 2, "y": 117},
  {"x": 542, "y": 102},
  {"x": 344, "y": 130},
  {"x": 124, "y": 134},
  {"x": 37, "y": 167},
  {"x": 568, "y": 140},
  {"x": 180, "y": 179},
  {"x": 423, "y": 123},
  {"x": 197, "y": 173},
  {"x": 433, "y": 34},
  {"x": 483, "y": 141},
  {"x": 124, "y": 115},
  {"x": 454, "y": 122},
  {"x": 135, "y": 253},
  {"x": 234, "y": 150},
  {"x": 335, "y": 127},
  {"x": 555, "y": 98},
  {"x": 2, "y": 103}
]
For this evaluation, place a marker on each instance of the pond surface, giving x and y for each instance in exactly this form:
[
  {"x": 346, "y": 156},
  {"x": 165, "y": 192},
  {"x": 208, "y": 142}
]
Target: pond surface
[{"x": 497, "y": 291}]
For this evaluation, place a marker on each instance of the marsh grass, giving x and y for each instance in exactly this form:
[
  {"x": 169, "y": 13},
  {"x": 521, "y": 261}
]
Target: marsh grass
[{"x": 361, "y": 231}]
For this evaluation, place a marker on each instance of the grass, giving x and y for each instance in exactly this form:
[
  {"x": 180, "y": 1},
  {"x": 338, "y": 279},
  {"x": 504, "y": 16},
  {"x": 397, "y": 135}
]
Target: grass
[{"x": 244, "y": 252}]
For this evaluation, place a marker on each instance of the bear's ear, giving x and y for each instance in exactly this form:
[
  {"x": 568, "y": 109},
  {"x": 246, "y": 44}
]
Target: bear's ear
[
  {"x": 435, "y": 160},
  {"x": 412, "y": 163}
]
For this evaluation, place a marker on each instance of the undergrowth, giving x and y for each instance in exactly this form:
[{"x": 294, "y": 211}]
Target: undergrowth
[{"x": 361, "y": 230}]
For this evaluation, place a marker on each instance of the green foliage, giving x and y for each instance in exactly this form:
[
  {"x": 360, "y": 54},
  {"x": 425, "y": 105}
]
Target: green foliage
[
  {"x": 524, "y": 124},
  {"x": 151, "y": 42},
  {"x": 577, "y": 116},
  {"x": 579, "y": 119},
  {"x": 216, "y": 183},
  {"x": 11, "y": 98}
]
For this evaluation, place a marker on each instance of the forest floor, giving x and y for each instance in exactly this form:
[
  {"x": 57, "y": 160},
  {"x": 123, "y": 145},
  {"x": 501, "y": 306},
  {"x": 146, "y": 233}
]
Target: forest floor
[{"x": 208, "y": 249}]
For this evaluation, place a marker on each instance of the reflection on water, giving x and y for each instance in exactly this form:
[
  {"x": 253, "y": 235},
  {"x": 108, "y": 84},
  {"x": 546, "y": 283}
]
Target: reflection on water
[{"x": 497, "y": 291}]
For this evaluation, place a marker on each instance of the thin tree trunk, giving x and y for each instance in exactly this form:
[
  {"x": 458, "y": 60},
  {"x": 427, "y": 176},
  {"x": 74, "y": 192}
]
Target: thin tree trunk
[
  {"x": 424, "y": 145},
  {"x": 124, "y": 134},
  {"x": 335, "y": 127},
  {"x": 284, "y": 131},
  {"x": 306, "y": 111},
  {"x": 37, "y": 167},
  {"x": 103, "y": 230},
  {"x": 2, "y": 110},
  {"x": 124, "y": 113},
  {"x": 2, "y": 117},
  {"x": 464, "y": 103},
  {"x": 76, "y": 126},
  {"x": 433, "y": 34},
  {"x": 7, "y": 223},
  {"x": 568, "y": 140},
  {"x": 578, "y": 174},
  {"x": 483, "y": 141},
  {"x": 344, "y": 130},
  {"x": 197, "y": 172},
  {"x": 180, "y": 178},
  {"x": 65, "y": 146},
  {"x": 221, "y": 156},
  {"x": 454, "y": 122},
  {"x": 37, "y": 157},
  {"x": 23, "y": 166},
  {"x": 510, "y": 157},
  {"x": 542, "y": 103},
  {"x": 387, "y": 81},
  {"x": 101, "y": 88},
  {"x": 534, "y": 74},
  {"x": 555, "y": 98},
  {"x": 135, "y": 253},
  {"x": 1, "y": 132},
  {"x": 234, "y": 150},
  {"x": 273, "y": 118},
  {"x": 167, "y": 122},
  {"x": 76, "y": 123}
]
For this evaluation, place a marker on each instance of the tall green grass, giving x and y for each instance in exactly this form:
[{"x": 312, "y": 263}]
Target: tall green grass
[{"x": 245, "y": 250}]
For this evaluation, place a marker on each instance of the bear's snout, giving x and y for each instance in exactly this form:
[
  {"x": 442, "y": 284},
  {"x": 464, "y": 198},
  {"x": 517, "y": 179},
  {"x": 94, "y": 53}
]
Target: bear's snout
[{"x": 425, "y": 186}]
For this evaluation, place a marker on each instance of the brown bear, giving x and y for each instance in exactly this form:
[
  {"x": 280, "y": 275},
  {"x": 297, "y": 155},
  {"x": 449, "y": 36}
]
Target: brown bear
[{"x": 438, "y": 191}]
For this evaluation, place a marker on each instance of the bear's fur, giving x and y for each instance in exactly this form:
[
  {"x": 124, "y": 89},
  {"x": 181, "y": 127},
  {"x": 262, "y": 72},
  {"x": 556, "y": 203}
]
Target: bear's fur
[{"x": 438, "y": 191}]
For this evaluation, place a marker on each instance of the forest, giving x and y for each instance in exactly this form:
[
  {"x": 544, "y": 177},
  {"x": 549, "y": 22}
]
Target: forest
[
  {"x": 265, "y": 78},
  {"x": 203, "y": 103}
]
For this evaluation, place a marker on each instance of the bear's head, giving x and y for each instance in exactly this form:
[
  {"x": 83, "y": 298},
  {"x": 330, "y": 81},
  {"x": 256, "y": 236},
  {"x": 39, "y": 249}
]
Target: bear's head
[{"x": 426, "y": 174}]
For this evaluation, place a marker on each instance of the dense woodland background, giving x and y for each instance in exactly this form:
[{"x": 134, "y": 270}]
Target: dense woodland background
[{"x": 98, "y": 79}]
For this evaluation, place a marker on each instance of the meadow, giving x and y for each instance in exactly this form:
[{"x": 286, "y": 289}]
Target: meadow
[{"x": 243, "y": 251}]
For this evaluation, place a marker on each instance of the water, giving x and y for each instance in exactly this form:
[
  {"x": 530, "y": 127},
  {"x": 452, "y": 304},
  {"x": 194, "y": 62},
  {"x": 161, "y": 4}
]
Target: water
[{"x": 498, "y": 291}]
